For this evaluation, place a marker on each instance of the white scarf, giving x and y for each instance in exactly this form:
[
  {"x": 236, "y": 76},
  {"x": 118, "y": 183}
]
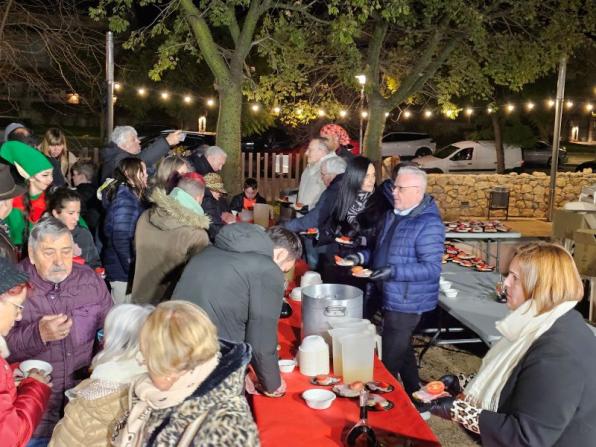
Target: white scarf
[
  {"x": 520, "y": 329},
  {"x": 119, "y": 371}
]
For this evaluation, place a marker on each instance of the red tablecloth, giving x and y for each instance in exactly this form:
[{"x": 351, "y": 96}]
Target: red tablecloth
[{"x": 288, "y": 422}]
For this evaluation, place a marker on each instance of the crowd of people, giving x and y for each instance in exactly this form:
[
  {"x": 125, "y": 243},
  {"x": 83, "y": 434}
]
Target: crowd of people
[{"x": 137, "y": 284}]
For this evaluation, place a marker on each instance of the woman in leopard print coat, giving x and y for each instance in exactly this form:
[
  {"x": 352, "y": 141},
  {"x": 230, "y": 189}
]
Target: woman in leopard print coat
[{"x": 201, "y": 402}]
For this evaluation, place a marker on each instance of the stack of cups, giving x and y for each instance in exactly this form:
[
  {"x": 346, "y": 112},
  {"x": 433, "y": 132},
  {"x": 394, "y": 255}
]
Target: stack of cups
[
  {"x": 313, "y": 356},
  {"x": 446, "y": 288}
]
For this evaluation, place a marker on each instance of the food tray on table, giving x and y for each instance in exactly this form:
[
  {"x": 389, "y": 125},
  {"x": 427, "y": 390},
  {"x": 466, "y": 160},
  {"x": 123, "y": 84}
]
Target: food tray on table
[
  {"x": 476, "y": 226},
  {"x": 461, "y": 257}
]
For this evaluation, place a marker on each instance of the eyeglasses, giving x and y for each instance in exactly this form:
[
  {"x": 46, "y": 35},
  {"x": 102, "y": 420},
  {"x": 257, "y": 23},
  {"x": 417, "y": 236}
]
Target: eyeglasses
[
  {"x": 401, "y": 188},
  {"x": 19, "y": 307}
]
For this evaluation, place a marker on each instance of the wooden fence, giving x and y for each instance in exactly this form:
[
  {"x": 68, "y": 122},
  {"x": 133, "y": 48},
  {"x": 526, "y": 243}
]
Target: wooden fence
[{"x": 273, "y": 172}]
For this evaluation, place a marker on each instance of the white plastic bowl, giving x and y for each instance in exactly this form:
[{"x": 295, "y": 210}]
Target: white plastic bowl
[
  {"x": 28, "y": 365},
  {"x": 287, "y": 365},
  {"x": 318, "y": 399},
  {"x": 296, "y": 294},
  {"x": 445, "y": 285},
  {"x": 451, "y": 293}
]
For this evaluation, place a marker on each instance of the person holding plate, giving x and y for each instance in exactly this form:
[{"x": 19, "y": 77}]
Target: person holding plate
[{"x": 22, "y": 405}]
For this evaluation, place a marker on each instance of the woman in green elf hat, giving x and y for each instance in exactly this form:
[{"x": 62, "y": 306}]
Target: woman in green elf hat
[{"x": 28, "y": 208}]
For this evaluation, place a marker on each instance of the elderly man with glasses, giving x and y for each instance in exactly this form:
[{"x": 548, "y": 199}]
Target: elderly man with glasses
[
  {"x": 66, "y": 306},
  {"x": 407, "y": 265}
]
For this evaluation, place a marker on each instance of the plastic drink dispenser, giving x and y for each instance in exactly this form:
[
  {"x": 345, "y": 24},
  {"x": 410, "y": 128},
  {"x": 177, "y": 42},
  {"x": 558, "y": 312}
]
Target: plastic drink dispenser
[
  {"x": 357, "y": 356},
  {"x": 313, "y": 356},
  {"x": 336, "y": 347}
]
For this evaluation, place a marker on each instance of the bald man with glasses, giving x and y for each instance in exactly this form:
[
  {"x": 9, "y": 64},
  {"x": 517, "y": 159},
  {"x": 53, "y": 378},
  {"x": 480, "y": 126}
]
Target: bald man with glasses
[{"x": 406, "y": 263}]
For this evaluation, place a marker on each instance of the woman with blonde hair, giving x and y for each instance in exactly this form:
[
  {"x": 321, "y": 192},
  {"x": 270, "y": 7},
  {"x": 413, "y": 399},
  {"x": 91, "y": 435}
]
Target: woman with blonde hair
[
  {"x": 169, "y": 170},
  {"x": 96, "y": 402},
  {"x": 193, "y": 393},
  {"x": 535, "y": 386},
  {"x": 55, "y": 148}
]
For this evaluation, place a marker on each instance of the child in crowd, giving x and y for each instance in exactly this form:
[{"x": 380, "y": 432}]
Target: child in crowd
[
  {"x": 83, "y": 179},
  {"x": 65, "y": 205},
  {"x": 247, "y": 199}
]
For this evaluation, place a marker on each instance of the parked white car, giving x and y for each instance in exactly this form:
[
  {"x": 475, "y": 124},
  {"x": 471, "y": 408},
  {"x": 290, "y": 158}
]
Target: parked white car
[
  {"x": 470, "y": 156},
  {"x": 407, "y": 144}
]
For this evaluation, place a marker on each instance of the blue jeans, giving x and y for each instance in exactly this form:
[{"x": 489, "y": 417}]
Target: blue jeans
[{"x": 38, "y": 442}]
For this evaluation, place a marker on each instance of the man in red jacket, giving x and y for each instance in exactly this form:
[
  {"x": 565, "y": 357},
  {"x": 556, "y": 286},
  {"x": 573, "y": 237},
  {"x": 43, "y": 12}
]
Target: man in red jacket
[
  {"x": 22, "y": 406},
  {"x": 66, "y": 307}
]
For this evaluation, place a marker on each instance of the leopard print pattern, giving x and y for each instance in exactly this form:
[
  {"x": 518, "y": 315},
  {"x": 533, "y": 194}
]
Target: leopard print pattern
[
  {"x": 464, "y": 379},
  {"x": 467, "y": 415}
]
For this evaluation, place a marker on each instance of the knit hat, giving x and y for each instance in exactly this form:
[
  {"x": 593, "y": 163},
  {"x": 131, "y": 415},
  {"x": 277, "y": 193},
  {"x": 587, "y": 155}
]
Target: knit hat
[
  {"x": 214, "y": 182},
  {"x": 10, "y": 276},
  {"x": 12, "y": 127},
  {"x": 333, "y": 129},
  {"x": 28, "y": 160}
]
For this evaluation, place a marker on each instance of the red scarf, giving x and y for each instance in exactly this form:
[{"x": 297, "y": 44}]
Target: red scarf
[{"x": 37, "y": 207}]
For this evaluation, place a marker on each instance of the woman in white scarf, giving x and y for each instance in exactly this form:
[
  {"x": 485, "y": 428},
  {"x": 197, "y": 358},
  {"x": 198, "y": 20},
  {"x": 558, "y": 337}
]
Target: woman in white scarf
[{"x": 531, "y": 388}]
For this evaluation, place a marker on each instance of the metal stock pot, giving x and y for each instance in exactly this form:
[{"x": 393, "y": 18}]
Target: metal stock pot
[{"x": 322, "y": 303}]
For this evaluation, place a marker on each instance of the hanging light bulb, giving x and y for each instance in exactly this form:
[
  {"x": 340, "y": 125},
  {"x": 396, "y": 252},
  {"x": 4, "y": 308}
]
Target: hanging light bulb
[
  {"x": 530, "y": 106},
  {"x": 255, "y": 107},
  {"x": 386, "y": 114},
  {"x": 510, "y": 108},
  {"x": 407, "y": 114},
  {"x": 364, "y": 114},
  {"x": 589, "y": 107},
  {"x": 469, "y": 111},
  {"x": 550, "y": 103},
  {"x": 165, "y": 95},
  {"x": 141, "y": 91},
  {"x": 277, "y": 110},
  {"x": 210, "y": 102},
  {"x": 187, "y": 99},
  {"x": 569, "y": 104},
  {"x": 428, "y": 114},
  {"x": 343, "y": 113},
  {"x": 117, "y": 86},
  {"x": 321, "y": 113},
  {"x": 489, "y": 110}
]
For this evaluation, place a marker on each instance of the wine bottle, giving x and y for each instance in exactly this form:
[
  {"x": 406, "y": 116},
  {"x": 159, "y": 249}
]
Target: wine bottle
[{"x": 362, "y": 434}]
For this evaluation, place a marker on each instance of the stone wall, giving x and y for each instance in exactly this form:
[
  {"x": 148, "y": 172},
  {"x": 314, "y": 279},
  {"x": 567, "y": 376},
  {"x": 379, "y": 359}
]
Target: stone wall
[{"x": 467, "y": 195}]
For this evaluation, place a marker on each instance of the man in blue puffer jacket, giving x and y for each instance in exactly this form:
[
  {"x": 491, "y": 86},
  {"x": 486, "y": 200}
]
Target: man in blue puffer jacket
[{"x": 407, "y": 259}]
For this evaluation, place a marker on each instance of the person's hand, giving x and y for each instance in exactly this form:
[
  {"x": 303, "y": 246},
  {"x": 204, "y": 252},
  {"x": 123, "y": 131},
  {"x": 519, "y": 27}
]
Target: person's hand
[
  {"x": 441, "y": 407},
  {"x": 452, "y": 385},
  {"x": 76, "y": 250},
  {"x": 54, "y": 327},
  {"x": 278, "y": 392},
  {"x": 228, "y": 217},
  {"x": 354, "y": 258},
  {"x": 174, "y": 138},
  {"x": 40, "y": 376},
  {"x": 382, "y": 273}
]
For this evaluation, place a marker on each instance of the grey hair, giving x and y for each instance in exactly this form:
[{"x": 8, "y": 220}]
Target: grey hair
[
  {"x": 212, "y": 151},
  {"x": 192, "y": 186},
  {"x": 121, "y": 133},
  {"x": 413, "y": 170},
  {"x": 323, "y": 143},
  {"x": 48, "y": 226},
  {"x": 122, "y": 327},
  {"x": 335, "y": 165}
]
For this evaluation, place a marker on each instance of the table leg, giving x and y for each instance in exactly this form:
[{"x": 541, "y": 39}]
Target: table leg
[{"x": 435, "y": 338}]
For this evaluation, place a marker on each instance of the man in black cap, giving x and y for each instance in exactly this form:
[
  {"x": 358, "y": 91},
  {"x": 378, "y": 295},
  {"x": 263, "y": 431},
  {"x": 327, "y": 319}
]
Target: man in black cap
[{"x": 8, "y": 190}]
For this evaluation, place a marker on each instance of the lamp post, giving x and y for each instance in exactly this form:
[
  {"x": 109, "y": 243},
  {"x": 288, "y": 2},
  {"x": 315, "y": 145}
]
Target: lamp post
[{"x": 362, "y": 81}]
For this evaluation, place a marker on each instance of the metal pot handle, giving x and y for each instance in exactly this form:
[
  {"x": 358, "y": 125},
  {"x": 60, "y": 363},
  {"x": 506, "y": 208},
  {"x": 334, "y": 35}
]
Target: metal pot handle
[{"x": 336, "y": 311}]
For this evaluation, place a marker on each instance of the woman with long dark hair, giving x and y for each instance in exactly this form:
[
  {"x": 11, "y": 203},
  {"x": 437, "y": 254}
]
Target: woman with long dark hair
[{"x": 123, "y": 200}]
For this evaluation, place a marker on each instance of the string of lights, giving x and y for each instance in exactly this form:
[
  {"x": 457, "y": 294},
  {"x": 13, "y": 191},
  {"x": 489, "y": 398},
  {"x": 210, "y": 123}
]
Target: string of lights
[{"x": 576, "y": 104}]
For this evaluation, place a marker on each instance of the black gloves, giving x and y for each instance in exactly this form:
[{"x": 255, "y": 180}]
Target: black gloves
[
  {"x": 441, "y": 407},
  {"x": 354, "y": 258},
  {"x": 452, "y": 385},
  {"x": 382, "y": 273}
]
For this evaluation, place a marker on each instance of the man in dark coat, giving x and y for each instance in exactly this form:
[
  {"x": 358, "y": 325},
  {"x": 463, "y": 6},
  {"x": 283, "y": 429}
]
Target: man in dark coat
[
  {"x": 211, "y": 161},
  {"x": 239, "y": 282},
  {"x": 8, "y": 190},
  {"x": 126, "y": 143},
  {"x": 407, "y": 260}
]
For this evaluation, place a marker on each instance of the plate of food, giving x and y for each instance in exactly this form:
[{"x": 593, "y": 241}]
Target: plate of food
[
  {"x": 351, "y": 390},
  {"x": 324, "y": 380},
  {"x": 378, "y": 403},
  {"x": 344, "y": 240},
  {"x": 379, "y": 387},
  {"x": 484, "y": 267},
  {"x": 360, "y": 272},
  {"x": 430, "y": 392},
  {"x": 310, "y": 232},
  {"x": 343, "y": 262},
  {"x": 297, "y": 206}
]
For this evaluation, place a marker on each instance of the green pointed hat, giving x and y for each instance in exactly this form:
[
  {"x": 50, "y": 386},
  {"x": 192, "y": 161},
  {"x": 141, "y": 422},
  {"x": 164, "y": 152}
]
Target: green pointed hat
[{"x": 28, "y": 160}]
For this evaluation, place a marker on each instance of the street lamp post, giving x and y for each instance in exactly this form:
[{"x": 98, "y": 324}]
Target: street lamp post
[{"x": 362, "y": 81}]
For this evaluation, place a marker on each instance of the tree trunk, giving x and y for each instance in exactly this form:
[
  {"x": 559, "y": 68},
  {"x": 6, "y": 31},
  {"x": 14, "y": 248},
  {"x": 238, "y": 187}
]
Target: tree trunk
[
  {"x": 496, "y": 120},
  {"x": 229, "y": 134},
  {"x": 374, "y": 127}
]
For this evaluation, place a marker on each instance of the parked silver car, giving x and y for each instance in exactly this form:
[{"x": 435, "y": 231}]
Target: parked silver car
[
  {"x": 541, "y": 154},
  {"x": 407, "y": 144}
]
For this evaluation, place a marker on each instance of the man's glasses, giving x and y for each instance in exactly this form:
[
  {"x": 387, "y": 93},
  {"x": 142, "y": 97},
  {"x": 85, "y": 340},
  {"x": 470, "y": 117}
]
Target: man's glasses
[{"x": 19, "y": 307}]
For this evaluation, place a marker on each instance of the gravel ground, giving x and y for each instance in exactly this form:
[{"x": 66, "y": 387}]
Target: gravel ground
[{"x": 441, "y": 360}]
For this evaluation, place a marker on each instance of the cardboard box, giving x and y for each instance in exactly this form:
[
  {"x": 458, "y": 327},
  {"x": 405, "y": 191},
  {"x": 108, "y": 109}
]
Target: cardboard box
[
  {"x": 566, "y": 222},
  {"x": 585, "y": 252}
]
